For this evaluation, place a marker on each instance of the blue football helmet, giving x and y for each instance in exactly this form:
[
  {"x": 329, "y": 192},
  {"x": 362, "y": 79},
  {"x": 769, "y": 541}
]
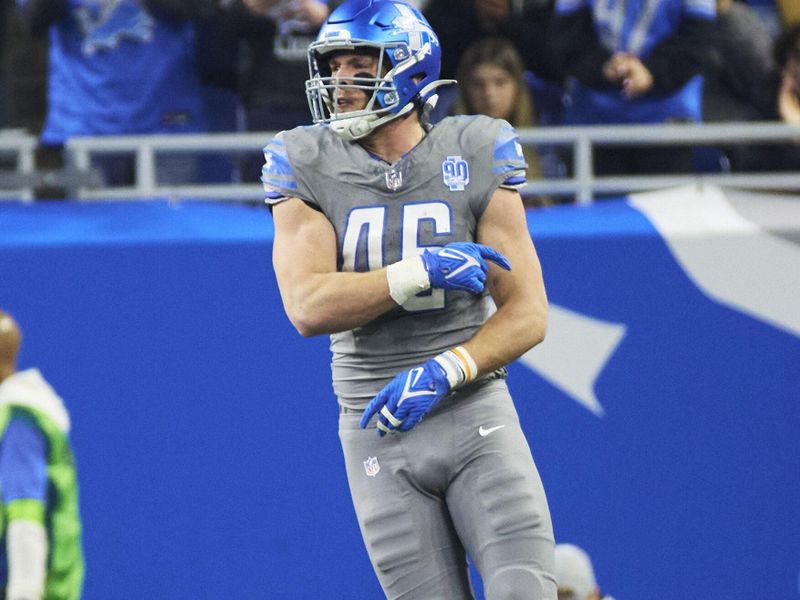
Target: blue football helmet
[{"x": 407, "y": 49}]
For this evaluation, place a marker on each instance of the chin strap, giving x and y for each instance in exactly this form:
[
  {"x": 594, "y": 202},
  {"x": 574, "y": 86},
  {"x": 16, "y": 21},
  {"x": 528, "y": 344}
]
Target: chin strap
[
  {"x": 359, "y": 126},
  {"x": 355, "y": 128}
]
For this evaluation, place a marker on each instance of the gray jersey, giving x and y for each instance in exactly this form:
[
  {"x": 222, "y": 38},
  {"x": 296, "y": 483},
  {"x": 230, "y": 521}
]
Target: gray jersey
[{"x": 382, "y": 213}]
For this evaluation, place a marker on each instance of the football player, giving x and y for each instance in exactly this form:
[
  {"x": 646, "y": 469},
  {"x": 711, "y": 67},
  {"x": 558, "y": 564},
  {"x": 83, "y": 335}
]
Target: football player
[{"x": 408, "y": 244}]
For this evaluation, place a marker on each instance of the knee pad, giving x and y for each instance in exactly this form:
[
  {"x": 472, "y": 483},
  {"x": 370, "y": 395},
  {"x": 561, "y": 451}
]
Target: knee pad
[{"x": 519, "y": 583}]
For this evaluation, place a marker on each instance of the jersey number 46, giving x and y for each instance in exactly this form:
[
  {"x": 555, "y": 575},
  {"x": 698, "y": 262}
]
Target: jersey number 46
[{"x": 364, "y": 244}]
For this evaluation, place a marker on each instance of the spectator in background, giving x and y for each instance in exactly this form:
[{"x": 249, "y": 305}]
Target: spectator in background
[
  {"x": 121, "y": 67},
  {"x": 787, "y": 55},
  {"x": 4, "y": 79},
  {"x": 790, "y": 12},
  {"x": 217, "y": 49},
  {"x": 781, "y": 91},
  {"x": 277, "y": 61},
  {"x": 740, "y": 77},
  {"x": 276, "y": 36},
  {"x": 575, "y": 575},
  {"x": 492, "y": 82},
  {"x": 40, "y": 521},
  {"x": 634, "y": 62},
  {"x": 739, "y": 66},
  {"x": 524, "y": 22},
  {"x": 25, "y": 71}
]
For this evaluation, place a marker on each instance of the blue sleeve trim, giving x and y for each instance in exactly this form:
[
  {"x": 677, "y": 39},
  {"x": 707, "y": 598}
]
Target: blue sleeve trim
[
  {"x": 277, "y": 174},
  {"x": 23, "y": 462},
  {"x": 508, "y": 155},
  {"x": 515, "y": 181}
]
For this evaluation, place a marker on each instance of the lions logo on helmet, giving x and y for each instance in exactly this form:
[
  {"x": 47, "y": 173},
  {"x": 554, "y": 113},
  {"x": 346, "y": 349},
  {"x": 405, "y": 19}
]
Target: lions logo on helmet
[
  {"x": 411, "y": 25},
  {"x": 409, "y": 59}
]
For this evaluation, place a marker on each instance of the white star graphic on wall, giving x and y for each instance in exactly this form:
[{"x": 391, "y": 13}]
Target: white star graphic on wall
[{"x": 574, "y": 354}]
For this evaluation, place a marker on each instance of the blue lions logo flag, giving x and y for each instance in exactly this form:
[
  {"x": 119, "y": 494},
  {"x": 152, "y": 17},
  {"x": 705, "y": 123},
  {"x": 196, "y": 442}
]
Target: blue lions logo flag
[{"x": 106, "y": 23}]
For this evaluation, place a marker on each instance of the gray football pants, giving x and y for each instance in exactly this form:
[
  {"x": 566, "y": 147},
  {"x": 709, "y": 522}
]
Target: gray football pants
[{"x": 427, "y": 497}]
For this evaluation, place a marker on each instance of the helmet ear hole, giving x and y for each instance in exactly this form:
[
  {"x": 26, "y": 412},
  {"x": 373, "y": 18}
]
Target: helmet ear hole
[{"x": 400, "y": 53}]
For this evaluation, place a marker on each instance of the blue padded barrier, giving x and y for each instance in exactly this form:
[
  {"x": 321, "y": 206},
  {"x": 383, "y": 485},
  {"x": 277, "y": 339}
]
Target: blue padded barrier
[{"x": 205, "y": 426}]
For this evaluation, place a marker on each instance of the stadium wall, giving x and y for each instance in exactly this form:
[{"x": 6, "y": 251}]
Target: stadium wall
[{"x": 662, "y": 410}]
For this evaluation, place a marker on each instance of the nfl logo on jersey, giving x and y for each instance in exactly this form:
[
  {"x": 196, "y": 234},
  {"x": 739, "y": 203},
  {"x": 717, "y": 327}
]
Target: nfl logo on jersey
[
  {"x": 394, "y": 180},
  {"x": 371, "y": 466},
  {"x": 455, "y": 173}
]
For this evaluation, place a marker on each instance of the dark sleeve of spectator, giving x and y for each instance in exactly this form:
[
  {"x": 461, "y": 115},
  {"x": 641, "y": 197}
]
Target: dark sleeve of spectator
[
  {"x": 38, "y": 15},
  {"x": 248, "y": 24},
  {"x": 181, "y": 10},
  {"x": 765, "y": 99},
  {"x": 576, "y": 49},
  {"x": 530, "y": 34},
  {"x": 456, "y": 26},
  {"x": 681, "y": 56}
]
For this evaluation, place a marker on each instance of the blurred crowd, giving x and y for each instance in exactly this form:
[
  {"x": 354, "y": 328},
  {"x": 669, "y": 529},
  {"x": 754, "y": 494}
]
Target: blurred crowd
[{"x": 107, "y": 67}]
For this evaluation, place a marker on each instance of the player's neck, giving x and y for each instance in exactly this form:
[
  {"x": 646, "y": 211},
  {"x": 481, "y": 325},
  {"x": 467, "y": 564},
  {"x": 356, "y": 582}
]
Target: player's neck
[{"x": 396, "y": 138}]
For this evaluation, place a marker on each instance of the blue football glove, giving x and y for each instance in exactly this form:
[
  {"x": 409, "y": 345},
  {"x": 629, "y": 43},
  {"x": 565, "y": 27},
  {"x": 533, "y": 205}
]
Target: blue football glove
[
  {"x": 407, "y": 398},
  {"x": 461, "y": 266}
]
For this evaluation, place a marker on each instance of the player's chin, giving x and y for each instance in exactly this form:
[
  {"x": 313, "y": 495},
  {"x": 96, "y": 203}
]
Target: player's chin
[{"x": 348, "y": 105}]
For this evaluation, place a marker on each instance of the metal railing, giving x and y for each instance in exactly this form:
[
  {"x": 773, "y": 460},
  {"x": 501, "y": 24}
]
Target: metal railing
[
  {"x": 21, "y": 147},
  {"x": 583, "y": 185},
  {"x": 146, "y": 148}
]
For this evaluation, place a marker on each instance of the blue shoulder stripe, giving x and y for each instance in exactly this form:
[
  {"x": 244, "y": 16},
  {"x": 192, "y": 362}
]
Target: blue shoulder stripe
[
  {"x": 508, "y": 157},
  {"x": 277, "y": 174},
  {"x": 515, "y": 181}
]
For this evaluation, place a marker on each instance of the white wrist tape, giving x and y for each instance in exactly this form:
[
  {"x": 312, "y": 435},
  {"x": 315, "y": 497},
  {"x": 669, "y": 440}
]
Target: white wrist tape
[
  {"x": 407, "y": 278},
  {"x": 458, "y": 365}
]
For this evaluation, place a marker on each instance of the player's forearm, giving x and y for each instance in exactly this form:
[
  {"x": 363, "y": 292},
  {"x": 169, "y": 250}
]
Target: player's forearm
[
  {"x": 514, "y": 329},
  {"x": 320, "y": 300},
  {"x": 317, "y": 296},
  {"x": 521, "y": 317},
  {"x": 333, "y": 302}
]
